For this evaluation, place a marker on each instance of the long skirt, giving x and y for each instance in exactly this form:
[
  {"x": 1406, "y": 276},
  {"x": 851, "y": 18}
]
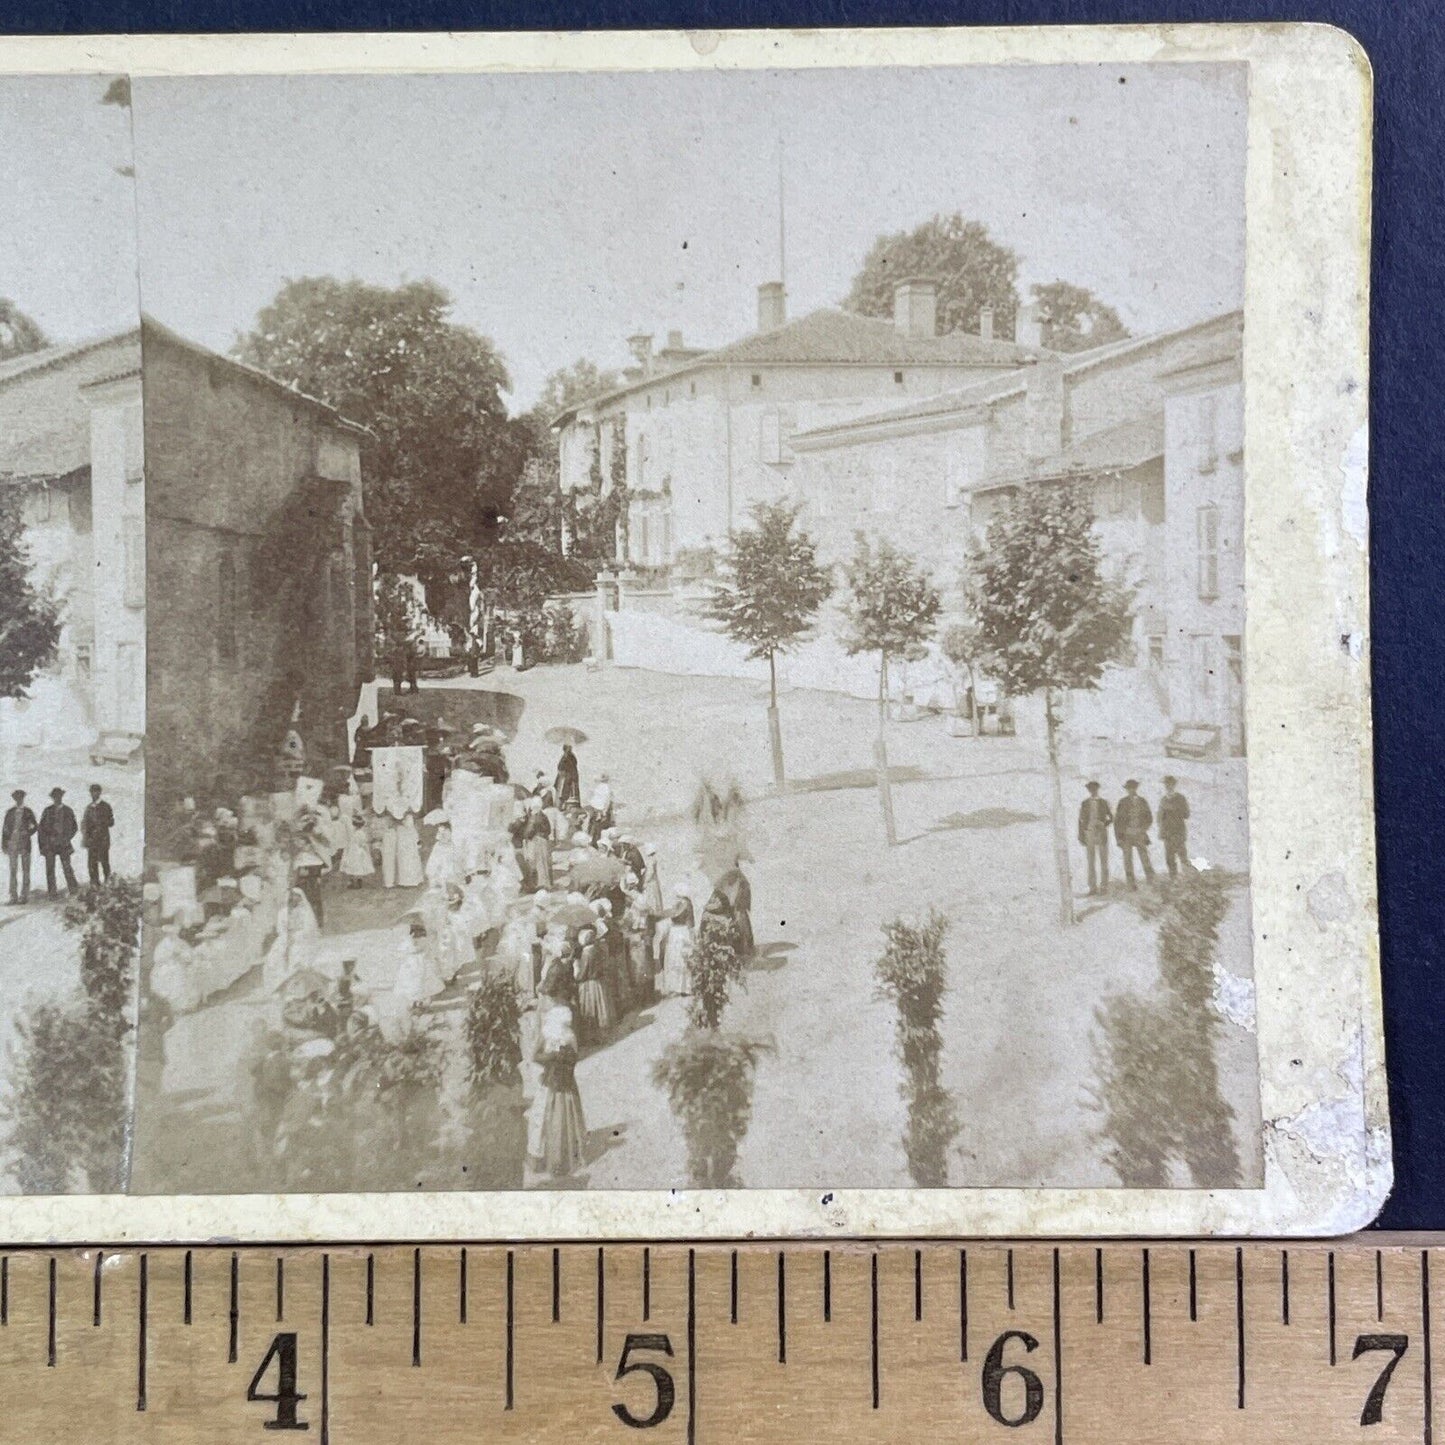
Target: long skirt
[
  {"x": 594, "y": 1010},
  {"x": 639, "y": 966},
  {"x": 538, "y": 855},
  {"x": 564, "y": 1132}
]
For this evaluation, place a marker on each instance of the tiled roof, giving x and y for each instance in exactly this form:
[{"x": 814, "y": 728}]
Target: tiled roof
[
  {"x": 1119, "y": 448},
  {"x": 832, "y": 337}
]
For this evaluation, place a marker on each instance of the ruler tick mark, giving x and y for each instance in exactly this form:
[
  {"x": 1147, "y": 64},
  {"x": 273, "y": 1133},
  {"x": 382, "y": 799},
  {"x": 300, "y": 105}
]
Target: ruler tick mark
[
  {"x": 1193, "y": 1288},
  {"x": 601, "y": 1301},
  {"x": 1379, "y": 1286},
  {"x": 1284, "y": 1286},
  {"x": 50, "y": 1335},
  {"x": 5, "y": 1290},
  {"x": 1239, "y": 1321},
  {"x": 186, "y": 1291},
  {"x": 511, "y": 1319},
  {"x": 462, "y": 1286},
  {"x": 325, "y": 1428},
  {"x": 95, "y": 1289},
  {"x": 416, "y": 1309},
  {"x": 140, "y": 1364},
  {"x": 691, "y": 1349},
  {"x": 235, "y": 1317},
  {"x": 280, "y": 1289},
  {"x": 370, "y": 1289},
  {"x": 556, "y": 1286},
  {"x": 917, "y": 1285},
  {"x": 1428, "y": 1369},
  {"x": 873, "y": 1329},
  {"x": 827, "y": 1286},
  {"x": 1330, "y": 1288},
  {"x": 1058, "y": 1357},
  {"x": 646, "y": 1284},
  {"x": 1098, "y": 1286},
  {"x": 734, "y": 1316},
  {"x": 963, "y": 1305},
  {"x": 1009, "y": 1270},
  {"x": 782, "y": 1308},
  {"x": 1144, "y": 1292}
]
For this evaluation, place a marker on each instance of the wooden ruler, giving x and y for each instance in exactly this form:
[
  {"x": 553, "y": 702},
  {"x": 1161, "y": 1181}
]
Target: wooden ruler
[{"x": 1124, "y": 1343}]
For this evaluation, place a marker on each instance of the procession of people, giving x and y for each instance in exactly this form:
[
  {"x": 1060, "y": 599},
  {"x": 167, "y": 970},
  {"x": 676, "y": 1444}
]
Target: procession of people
[{"x": 526, "y": 881}]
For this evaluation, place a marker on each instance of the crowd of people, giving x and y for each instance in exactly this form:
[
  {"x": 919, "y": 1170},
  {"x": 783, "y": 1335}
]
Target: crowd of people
[
  {"x": 1131, "y": 818},
  {"x": 536, "y": 882},
  {"x": 54, "y": 834}
]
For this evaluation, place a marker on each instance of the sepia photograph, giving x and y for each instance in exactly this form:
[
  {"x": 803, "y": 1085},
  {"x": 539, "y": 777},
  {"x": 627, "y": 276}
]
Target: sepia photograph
[
  {"x": 717, "y": 661},
  {"x": 648, "y": 633}
]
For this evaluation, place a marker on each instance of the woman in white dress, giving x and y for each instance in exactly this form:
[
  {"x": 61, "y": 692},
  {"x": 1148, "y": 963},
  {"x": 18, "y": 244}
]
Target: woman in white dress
[
  {"x": 409, "y": 872},
  {"x": 297, "y": 942},
  {"x": 356, "y": 861},
  {"x": 417, "y": 980},
  {"x": 676, "y": 944}
]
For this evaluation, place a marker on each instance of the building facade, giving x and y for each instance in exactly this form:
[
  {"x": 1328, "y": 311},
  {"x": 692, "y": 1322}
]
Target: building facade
[
  {"x": 699, "y": 437},
  {"x": 72, "y": 454},
  {"x": 258, "y": 542},
  {"x": 1152, "y": 427}
]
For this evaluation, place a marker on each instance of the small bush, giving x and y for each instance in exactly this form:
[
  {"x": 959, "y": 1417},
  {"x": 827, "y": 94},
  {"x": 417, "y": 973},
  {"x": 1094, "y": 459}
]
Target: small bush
[
  {"x": 913, "y": 976},
  {"x": 493, "y": 1033},
  {"x": 715, "y": 966},
  {"x": 708, "y": 1079}
]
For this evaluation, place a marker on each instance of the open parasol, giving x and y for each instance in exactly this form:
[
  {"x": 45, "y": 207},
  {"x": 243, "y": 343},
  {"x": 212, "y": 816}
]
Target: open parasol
[{"x": 564, "y": 734}]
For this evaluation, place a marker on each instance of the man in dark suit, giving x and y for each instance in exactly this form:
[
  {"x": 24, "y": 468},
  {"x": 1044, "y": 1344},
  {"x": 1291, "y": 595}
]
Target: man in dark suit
[
  {"x": 1133, "y": 818},
  {"x": 57, "y": 840},
  {"x": 95, "y": 825},
  {"x": 1174, "y": 827},
  {"x": 19, "y": 830},
  {"x": 1095, "y": 816}
]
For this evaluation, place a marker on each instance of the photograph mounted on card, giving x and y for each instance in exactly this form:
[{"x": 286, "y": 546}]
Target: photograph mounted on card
[{"x": 775, "y": 673}]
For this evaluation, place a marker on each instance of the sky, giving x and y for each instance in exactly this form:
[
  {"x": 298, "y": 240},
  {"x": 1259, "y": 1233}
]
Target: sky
[{"x": 563, "y": 213}]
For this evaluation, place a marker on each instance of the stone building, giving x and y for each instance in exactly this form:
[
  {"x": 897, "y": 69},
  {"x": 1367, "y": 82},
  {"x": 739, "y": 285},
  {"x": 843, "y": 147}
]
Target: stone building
[
  {"x": 259, "y": 564},
  {"x": 71, "y": 450},
  {"x": 700, "y": 436},
  {"x": 1152, "y": 427}
]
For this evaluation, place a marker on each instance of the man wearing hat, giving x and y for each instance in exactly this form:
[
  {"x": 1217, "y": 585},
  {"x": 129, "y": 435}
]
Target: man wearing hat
[
  {"x": 57, "y": 837},
  {"x": 1094, "y": 820},
  {"x": 1174, "y": 826},
  {"x": 1132, "y": 820},
  {"x": 19, "y": 829},
  {"x": 95, "y": 825}
]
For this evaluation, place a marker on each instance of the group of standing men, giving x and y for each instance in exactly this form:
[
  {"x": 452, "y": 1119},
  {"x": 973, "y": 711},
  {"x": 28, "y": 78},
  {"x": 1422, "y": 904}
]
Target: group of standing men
[
  {"x": 1131, "y": 818},
  {"x": 54, "y": 832}
]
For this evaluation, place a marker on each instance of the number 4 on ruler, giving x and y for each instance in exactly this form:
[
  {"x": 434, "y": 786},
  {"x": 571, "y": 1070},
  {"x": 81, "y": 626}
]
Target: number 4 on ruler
[{"x": 286, "y": 1398}]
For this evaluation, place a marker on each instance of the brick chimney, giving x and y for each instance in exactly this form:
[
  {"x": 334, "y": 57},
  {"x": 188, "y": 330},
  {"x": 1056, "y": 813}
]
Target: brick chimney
[
  {"x": 915, "y": 306},
  {"x": 1028, "y": 326},
  {"x": 1044, "y": 404},
  {"x": 772, "y": 305},
  {"x": 674, "y": 341},
  {"x": 640, "y": 344},
  {"x": 985, "y": 322}
]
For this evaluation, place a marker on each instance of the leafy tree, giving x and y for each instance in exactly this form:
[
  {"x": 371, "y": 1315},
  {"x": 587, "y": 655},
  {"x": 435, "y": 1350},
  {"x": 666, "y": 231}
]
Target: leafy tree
[
  {"x": 971, "y": 268},
  {"x": 1050, "y": 618},
  {"x": 442, "y": 457},
  {"x": 963, "y": 647},
  {"x": 1072, "y": 318},
  {"x": 29, "y": 618},
  {"x": 708, "y": 1079},
  {"x": 573, "y": 384},
  {"x": 770, "y": 592},
  {"x": 913, "y": 976},
  {"x": 67, "y": 1097},
  {"x": 714, "y": 967},
  {"x": 19, "y": 335},
  {"x": 892, "y": 609}
]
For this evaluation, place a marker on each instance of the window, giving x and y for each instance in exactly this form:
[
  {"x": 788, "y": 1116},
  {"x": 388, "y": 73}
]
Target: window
[
  {"x": 757, "y": 381},
  {"x": 770, "y": 436},
  {"x": 226, "y": 608},
  {"x": 37, "y": 505},
  {"x": 643, "y": 453},
  {"x": 897, "y": 378},
  {"x": 1155, "y": 656},
  {"x": 133, "y": 542},
  {"x": 82, "y": 662},
  {"x": 1112, "y": 498},
  {"x": 1207, "y": 525},
  {"x": 1208, "y": 433},
  {"x": 955, "y": 479}
]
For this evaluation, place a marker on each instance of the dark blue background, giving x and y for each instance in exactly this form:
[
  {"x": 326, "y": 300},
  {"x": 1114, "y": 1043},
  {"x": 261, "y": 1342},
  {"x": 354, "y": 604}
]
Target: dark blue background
[{"x": 1403, "y": 39}]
